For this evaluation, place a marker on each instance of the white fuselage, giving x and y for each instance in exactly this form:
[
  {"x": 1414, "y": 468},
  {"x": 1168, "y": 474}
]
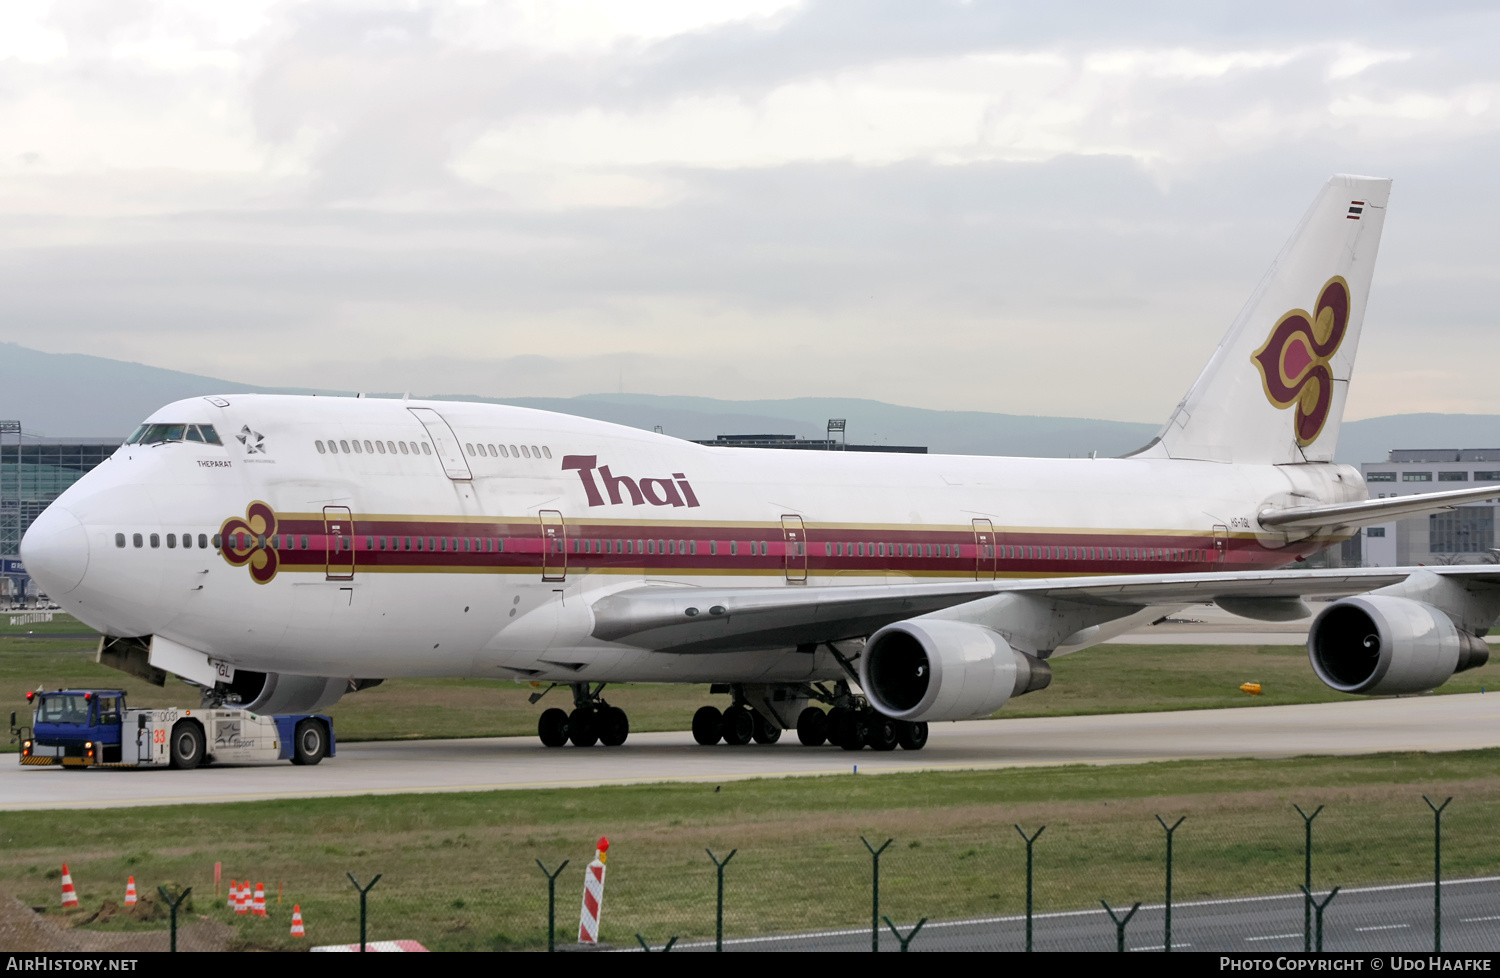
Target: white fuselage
[{"x": 467, "y": 562}]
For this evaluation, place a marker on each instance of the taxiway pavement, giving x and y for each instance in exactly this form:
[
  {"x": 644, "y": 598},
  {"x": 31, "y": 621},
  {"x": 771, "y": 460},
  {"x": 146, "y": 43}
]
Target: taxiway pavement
[{"x": 1427, "y": 723}]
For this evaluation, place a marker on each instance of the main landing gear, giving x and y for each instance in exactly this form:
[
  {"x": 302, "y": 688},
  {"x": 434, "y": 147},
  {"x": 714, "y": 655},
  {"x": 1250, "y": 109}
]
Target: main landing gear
[
  {"x": 592, "y": 721},
  {"x": 851, "y": 723}
]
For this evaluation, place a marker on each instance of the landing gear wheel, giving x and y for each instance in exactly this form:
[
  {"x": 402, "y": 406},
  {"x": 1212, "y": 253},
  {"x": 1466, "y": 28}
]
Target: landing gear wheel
[
  {"x": 911, "y": 736},
  {"x": 186, "y": 745},
  {"x": 708, "y": 723},
  {"x": 739, "y": 726},
  {"x": 614, "y": 726},
  {"x": 765, "y": 732},
  {"x": 310, "y": 742},
  {"x": 583, "y": 728},
  {"x": 880, "y": 732},
  {"x": 812, "y": 727},
  {"x": 848, "y": 731},
  {"x": 552, "y": 727}
]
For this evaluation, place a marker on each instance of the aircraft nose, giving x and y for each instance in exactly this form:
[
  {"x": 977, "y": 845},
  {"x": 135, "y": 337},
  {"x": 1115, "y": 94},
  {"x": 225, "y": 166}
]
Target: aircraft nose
[{"x": 55, "y": 551}]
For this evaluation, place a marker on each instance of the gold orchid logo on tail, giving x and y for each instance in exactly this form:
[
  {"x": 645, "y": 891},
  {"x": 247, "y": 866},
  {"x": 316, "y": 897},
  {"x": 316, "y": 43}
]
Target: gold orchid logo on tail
[
  {"x": 245, "y": 541},
  {"x": 1293, "y": 362}
]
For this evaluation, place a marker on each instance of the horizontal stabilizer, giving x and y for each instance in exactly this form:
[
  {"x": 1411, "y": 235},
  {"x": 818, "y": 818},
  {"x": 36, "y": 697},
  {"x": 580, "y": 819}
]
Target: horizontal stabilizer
[{"x": 1370, "y": 511}]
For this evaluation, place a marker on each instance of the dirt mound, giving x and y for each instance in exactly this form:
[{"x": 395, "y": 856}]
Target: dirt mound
[{"x": 23, "y": 929}]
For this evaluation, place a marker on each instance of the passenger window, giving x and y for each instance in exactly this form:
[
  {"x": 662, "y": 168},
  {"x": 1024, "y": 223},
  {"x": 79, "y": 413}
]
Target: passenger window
[
  {"x": 426, "y": 449},
  {"x": 391, "y": 446},
  {"x": 525, "y": 453},
  {"x": 493, "y": 453},
  {"x": 356, "y": 445},
  {"x": 321, "y": 449},
  {"x": 380, "y": 447},
  {"x": 344, "y": 445},
  {"x": 402, "y": 445},
  {"x": 333, "y": 447},
  {"x": 546, "y": 451},
  {"x": 155, "y": 541},
  {"x": 514, "y": 452},
  {"x": 120, "y": 540},
  {"x": 469, "y": 446},
  {"x": 218, "y": 542},
  {"x": 369, "y": 447},
  {"x": 536, "y": 452},
  {"x": 187, "y": 541}
]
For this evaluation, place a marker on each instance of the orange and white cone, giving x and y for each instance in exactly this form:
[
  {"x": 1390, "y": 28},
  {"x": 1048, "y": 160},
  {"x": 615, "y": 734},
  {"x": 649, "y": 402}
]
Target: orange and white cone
[
  {"x": 69, "y": 897},
  {"x": 259, "y": 906},
  {"x": 593, "y": 896},
  {"x": 130, "y": 893},
  {"x": 297, "y": 930},
  {"x": 234, "y": 894},
  {"x": 242, "y": 902}
]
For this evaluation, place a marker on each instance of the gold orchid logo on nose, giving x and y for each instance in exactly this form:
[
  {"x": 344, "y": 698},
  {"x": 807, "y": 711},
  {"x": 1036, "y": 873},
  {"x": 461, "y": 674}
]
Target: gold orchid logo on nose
[
  {"x": 1293, "y": 362},
  {"x": 246, "y": 541}
]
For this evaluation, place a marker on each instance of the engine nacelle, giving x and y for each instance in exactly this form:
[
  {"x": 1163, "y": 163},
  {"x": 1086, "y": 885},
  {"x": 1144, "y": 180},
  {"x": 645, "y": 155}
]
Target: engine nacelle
[
  {"x": 934, "y": 669},
  {"x": 273, "y": 692},
  {"x": 1377, "y": 644}
]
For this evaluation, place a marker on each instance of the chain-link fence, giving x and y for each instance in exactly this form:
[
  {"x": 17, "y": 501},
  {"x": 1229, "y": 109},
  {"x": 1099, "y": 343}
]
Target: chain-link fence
[{"x": 1231, "y": 881}]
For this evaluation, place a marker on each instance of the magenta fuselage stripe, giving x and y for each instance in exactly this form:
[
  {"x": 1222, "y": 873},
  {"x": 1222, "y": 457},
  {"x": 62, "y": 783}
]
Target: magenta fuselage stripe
[{"x": 416, "y": 544}]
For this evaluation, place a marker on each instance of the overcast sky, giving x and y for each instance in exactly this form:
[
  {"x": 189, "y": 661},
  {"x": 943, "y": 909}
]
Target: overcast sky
[{"x": 1030, "y": 208}]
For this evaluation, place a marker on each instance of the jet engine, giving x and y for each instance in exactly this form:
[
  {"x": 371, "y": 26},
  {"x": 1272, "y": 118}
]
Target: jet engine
[
  {"x": 274, "y": 692},
  {"x": 1380, "y": 645},
  {"x": 934, "y": 669}
]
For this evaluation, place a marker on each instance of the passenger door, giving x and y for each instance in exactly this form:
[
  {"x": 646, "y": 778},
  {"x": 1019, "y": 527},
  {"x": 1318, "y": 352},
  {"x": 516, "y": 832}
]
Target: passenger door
[
  {"x": 338, "y": 536},
  {"x": 445, "y": 443},
  {"x": 554, "y": 545},
  {"x": 1221, "y": 543},
  {"x": 794, "y": 537},
  {"x": 984, "y": 550}
]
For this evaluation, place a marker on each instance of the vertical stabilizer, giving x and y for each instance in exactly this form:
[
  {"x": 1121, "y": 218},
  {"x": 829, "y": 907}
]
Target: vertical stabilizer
[{"x": 1274, "y": 390}]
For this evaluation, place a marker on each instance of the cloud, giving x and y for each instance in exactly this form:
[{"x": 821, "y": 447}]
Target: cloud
[{"x": 961, "y": 205}]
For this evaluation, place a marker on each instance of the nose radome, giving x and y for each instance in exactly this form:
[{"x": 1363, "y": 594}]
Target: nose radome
[{"x": 55, "y": 551}]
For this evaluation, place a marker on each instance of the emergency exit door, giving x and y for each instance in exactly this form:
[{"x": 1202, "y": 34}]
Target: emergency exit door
[
  {"x": 984, "y": 550},
  {"x": 794, "y": 542},
  {"x": 554, "y": 545},
  {"x": 1221, "y": 544},
  {"x": 338, "y": 536}
]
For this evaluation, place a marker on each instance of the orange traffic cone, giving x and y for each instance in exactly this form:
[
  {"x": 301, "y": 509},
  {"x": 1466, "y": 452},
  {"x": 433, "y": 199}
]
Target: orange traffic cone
[
  {"x": 259, "y": 906},
  {"x": 234, "y": 894},
  {"x": 130, "y": 892},
  {"x": 297, "y": 930},
  {"x": 242, "y": 905},
  {"x": 69, "y": 898}
]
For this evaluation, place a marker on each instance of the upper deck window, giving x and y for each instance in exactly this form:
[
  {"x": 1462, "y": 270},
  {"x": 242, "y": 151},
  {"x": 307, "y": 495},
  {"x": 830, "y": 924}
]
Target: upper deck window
[{"x": 160, "y": 434}]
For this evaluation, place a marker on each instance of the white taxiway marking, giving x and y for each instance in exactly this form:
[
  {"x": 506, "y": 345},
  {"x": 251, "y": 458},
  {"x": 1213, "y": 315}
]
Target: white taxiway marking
[
  {"x": 1273, "y": 937},
  {"x": 1384, "y": 927},
  {"x": 1475, "y": 920}
]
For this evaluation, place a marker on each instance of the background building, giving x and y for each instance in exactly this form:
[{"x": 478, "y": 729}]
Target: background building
[
  {"x": 33, "y": 472},
  {"x": 1465, "y": 535}
]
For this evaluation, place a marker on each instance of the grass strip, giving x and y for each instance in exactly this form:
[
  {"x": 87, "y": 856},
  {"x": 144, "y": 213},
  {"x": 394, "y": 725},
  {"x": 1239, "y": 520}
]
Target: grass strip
[{"x": 459, "y": 870}]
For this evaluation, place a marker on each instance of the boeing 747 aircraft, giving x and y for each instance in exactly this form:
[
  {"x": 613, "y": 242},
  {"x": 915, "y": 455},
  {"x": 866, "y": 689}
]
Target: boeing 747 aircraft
[{"x": 282, "y": 552}]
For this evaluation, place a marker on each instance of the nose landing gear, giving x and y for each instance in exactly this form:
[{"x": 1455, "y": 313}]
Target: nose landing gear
[{"x": 592, "y": 721}]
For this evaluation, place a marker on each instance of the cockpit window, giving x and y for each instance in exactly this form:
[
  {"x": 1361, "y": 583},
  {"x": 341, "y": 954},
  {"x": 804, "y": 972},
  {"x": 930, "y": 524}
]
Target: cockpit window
[
  {"x": 159, "y": 434},
  {"x": 63, "y": 708}
]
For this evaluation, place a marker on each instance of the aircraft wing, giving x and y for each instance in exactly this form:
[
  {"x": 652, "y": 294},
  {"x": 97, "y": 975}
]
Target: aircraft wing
[
  {"x": 1373, "y": 510},
  {"x": 691, "y": 619}
]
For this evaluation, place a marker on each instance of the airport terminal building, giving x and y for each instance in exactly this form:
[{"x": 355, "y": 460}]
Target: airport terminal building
[
  {"x": 1465, "y": 535},
  {"x": 33, "y": 472}
]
